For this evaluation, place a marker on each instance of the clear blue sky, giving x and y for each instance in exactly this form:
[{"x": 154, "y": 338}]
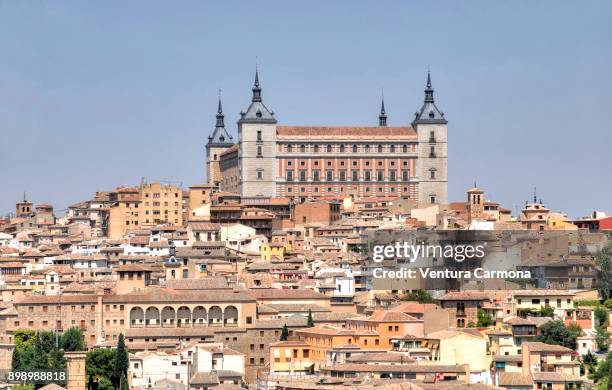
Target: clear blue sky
[{"x": 99, "y": 94}]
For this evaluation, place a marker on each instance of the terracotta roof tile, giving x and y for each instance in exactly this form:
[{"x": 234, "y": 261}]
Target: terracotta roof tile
[
  {"x": 345, "y": 132},
  {"x": 211, "y": 283},
  {"x": 285, "y": 294},
  {"x": 514, "y": 379},
  {"x": 537, "y": 346}
]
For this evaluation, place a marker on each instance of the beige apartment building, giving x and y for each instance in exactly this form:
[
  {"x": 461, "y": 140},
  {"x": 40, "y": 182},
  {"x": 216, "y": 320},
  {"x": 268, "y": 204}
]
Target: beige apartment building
[
  {"x": 199, "y": 195},
  {"x": 123, "y": 215},
  {"x": 161, "y": 204},
  {"x": 147, "y": 205}
]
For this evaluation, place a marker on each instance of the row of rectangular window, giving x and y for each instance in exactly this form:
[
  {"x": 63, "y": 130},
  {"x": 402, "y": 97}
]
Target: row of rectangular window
[
  {"x": 380, "y": 176},
  {"x": 329, "y": 163},
  {"x": 344, "y": 149},
  {"x": 367, "y": 189}
]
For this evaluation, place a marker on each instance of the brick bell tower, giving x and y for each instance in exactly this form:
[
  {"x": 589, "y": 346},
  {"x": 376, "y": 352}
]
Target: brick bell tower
[{"x": 475, "y": 204}]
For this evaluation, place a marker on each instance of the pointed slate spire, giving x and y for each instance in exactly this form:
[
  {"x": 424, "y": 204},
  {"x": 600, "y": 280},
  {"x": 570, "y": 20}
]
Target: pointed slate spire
[
  {"x": 220, "y": 116},
  {"x": 429, "y": 113},
  {"x": 382, "y": 118},
  {"x": 256, "y": 88},
  {"x": 429, "y": 98},
  {"x": 257, "y": 111},
  {"x": 220, "y": 135}
]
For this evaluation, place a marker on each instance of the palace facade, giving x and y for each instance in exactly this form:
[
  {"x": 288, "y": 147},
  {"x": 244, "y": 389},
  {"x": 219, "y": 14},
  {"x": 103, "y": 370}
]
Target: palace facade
[{"x": 309, "y": 162}]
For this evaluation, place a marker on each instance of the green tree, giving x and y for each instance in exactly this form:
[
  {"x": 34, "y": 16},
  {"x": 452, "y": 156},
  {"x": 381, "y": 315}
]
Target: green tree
[
  {"x": 590, "y": 361},
  {"x": 310, "y": 321},
  {"x": 36, "y": 351},
  {"x": 603, "y": 259},
  {"x": 483, "y": 319},
  {"x": 23, "y": 348},
  {"x": 284, "y": 333},
  {"x": 602, "y": 338},
  {"x": 41, "y": 348},
  {"x": 24, "y": 338},
  {"x": 73, "y": 340},
  {"x": 16, "y": 358},
  {"x": 601, "y": 316},
  {"x": 23, "y": 387},
  {"x": 546, "y": 311},
  {"x": 124, "y": 383},
  {"x": 26, "y": 359},
  {"x": 100, "y": 364},
  {"x": 574, "y": 329},
  {"x": 56, "y": 359},
  {"x": 105, "y": 384},
  {"x": 420, "y": 296},
  {"x": 90, "y": 383},
  {"x": 603, "y": 372},
  {"x": 122, "y": 360},
  {"x": 47, "y": 355},
  {"x": 555, "y": 332}
]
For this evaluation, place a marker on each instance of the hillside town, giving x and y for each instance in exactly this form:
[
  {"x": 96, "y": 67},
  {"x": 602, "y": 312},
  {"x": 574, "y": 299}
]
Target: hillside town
[
  {"x": 214, "y": 290},
  {"x": 264, "y": 276}
]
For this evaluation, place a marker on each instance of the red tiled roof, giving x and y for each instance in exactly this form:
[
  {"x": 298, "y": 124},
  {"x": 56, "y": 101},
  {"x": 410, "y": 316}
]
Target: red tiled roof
[
  {"x": 465, "y": 296},
  {"x": 288, "y": 294},
  {"x": 204, "y": 226},
  {"x": 515, "y": 379},
  {"x": 412, "y": 307},
  {"x": 335, "y": 331},
  {"x": 536, "y": 346},
  {"x": 232, "y": 149},
  {"x": 346, "y": 132},
  {"x": 424, "y": 368},
  {"x": 387, "y": 316}
]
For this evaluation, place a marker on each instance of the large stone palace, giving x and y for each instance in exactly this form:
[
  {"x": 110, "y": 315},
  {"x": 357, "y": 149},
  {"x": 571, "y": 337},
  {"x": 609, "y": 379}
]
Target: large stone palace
[{"x": 308, "y": 162}]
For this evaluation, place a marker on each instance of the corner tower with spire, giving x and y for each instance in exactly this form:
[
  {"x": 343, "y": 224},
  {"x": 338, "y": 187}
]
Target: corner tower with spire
[
  {"x": 382, "y": 118},
  {"x": 257, "y": 147},
  {"x": 218, "y": 142},
  {"x": 432, "y": 163}
]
